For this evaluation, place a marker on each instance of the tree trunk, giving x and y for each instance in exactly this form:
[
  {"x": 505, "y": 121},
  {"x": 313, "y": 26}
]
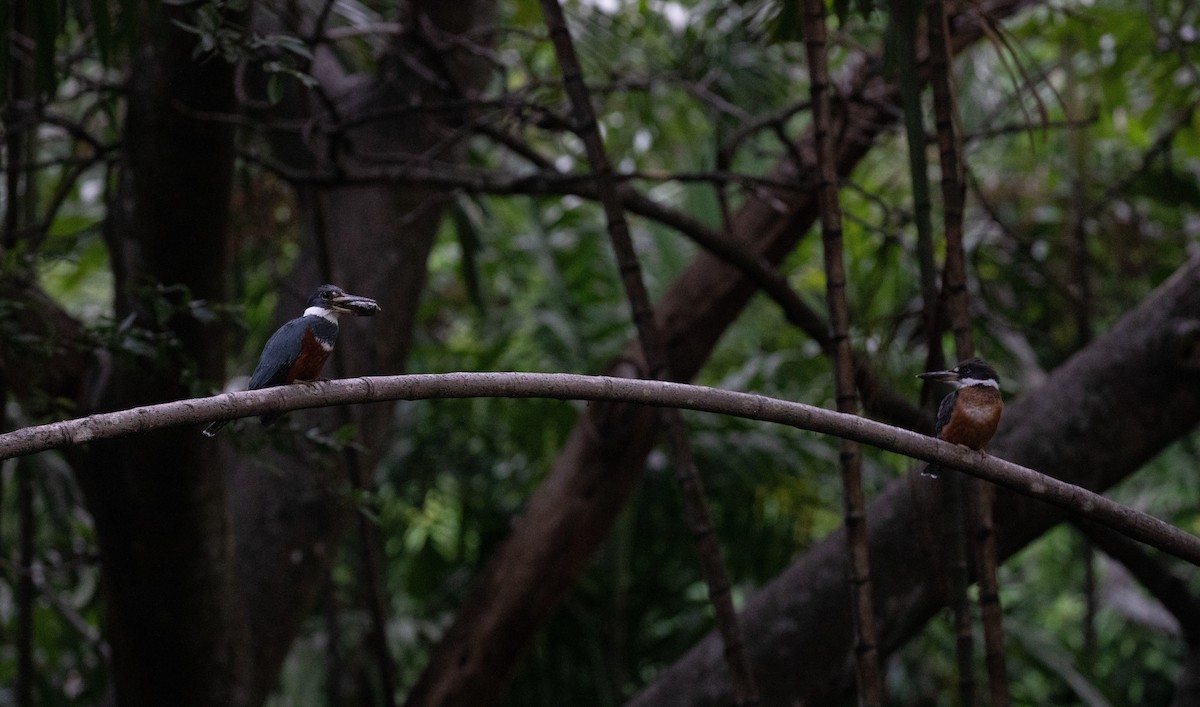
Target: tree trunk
[{"x": 173, "y": 616}]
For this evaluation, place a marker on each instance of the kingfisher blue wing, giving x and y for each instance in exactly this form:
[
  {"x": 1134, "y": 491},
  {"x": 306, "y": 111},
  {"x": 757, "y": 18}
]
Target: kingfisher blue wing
[
  {"x": 944, "y": 411},
  {"x": 297, "y": 352},
  {"x": 286, "y": 347}
]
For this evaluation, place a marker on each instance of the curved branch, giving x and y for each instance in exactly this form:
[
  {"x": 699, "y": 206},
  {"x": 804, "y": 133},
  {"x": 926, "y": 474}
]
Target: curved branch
[{"x": 568, "y": 386}]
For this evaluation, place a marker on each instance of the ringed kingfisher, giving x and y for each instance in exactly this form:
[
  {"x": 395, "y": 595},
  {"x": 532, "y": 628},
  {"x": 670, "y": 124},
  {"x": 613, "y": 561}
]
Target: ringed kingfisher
[
  {"x": 968, "y": 416},
  {"x": 299, "y": 349}
]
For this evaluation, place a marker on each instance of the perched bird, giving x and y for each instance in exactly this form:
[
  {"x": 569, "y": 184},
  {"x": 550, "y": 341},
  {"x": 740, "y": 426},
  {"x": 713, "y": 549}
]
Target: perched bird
[
  {"x": 968, "y": 416},
  {"x": 299, "y": 349}
]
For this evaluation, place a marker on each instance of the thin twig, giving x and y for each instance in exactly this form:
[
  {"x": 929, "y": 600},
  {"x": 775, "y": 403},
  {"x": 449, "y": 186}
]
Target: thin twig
[
  {"x": 903, "y": 19},
  {"x": 20, "y": 204},
  {"x": 978, "y": 497},
  {"x": 88, "y": 632},
  {"x": 388, "y": 28},
  {"x": 866, "y": 650},
  {"x": 1164, "y": 584},
  {"x": 397, "y": 168},
  {"x": 25, "y": 590},
  {"x": 1080, "y": 293},
  {"x": 696, "y": 511}
]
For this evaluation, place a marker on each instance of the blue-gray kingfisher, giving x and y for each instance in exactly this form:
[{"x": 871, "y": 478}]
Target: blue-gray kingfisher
[{"x": 299, "y": 349}]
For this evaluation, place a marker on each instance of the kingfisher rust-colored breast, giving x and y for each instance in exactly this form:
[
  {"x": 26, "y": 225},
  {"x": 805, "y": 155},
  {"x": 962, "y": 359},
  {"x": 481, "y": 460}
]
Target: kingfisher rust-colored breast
[
  {"x": 974, "y": 417},
  {"x": 314, "y": 352}
]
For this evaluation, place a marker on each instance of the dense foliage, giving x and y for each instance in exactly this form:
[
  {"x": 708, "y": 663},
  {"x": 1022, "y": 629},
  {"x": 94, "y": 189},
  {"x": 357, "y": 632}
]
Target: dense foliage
[{"x": 1084, "y": 161}]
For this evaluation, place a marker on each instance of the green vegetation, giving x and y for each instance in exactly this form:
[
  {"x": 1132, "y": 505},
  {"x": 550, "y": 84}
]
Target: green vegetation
[{"x": 1081, "y": 128}]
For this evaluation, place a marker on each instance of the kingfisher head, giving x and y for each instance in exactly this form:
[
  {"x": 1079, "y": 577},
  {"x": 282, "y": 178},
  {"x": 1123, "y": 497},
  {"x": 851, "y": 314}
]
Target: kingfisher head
[
  {"x": 973, "y": 371},
  {"x": 330, "y": 300}
]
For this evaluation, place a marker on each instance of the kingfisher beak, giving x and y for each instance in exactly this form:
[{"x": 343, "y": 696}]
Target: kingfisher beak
[
  {"x": 944, "y": 376},
  {"x": 356, "y": 305}
]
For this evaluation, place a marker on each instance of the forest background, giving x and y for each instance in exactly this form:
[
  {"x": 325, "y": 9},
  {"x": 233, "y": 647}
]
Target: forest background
[{"x": 180, "y": 176}]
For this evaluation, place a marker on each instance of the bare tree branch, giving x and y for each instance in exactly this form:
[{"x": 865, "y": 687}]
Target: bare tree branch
[{"x": 568, "y": 386}]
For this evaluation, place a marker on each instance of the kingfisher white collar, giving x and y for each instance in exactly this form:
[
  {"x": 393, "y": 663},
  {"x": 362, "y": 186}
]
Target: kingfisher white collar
[
  {"x": 322, "y": 312},
  {"x": 988, "y": 382}
]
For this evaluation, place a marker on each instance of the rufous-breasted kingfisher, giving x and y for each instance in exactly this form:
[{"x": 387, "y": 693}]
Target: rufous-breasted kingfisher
[
  {"x": 968, "y": 416},
  {"x": 299, "y": 349}
]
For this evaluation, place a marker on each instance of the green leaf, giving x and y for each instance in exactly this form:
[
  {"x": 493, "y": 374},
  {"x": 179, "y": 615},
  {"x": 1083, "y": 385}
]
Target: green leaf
[
  {"x": 789, "y": 22},
  {"x": 284, "y": 42},
  {"x": 5, "y": 12},
  {"x": 127, "y": 22},
  {"x": 275, "y": 89},
  {"x": 102, "y": 26},
  {"x": 841, "y": 10},
  {"x": 469, "y": 243},
  {"x": 527, "y": 13},
  {"x": 280, "y": 69},
  {"x": 45, "y": 31}
]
